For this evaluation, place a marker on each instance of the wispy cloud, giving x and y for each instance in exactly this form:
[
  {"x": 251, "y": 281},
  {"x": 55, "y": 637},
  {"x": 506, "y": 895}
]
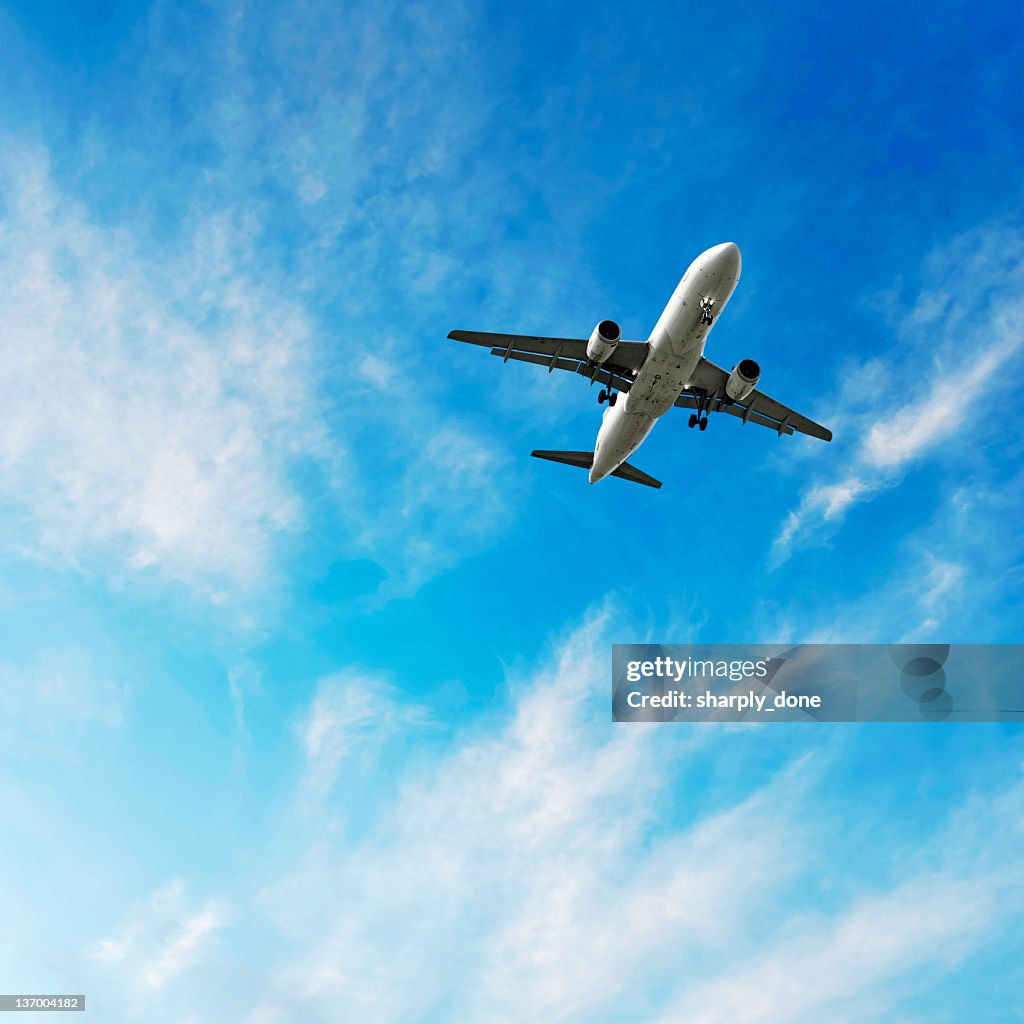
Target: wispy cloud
[
  {"x": 543, "y": 870},
  {"x": 161, "y": 411},
  {"x": 162, "y": 938},
  {"x": 543, "y": 863},
  {"x": 46, "y": 702},
  {"x": 940, "y": 396},
  {"x": 242, "y": 681},
  {"x": 838, "y": 969},
  {"x": 170, "y": 387},
  {"x": 135, "y": 433},
  {"x": 352, "y": 713},
  {"x": 440, "y": 490},
  {"x": 943, "y": 578},
  {"x": 958, "y": 892}
]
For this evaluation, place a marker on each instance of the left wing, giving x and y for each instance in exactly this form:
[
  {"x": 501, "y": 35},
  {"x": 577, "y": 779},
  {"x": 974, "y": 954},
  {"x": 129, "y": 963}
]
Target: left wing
[
  {"x": 708, "y": 385},
  {"x": 563, "y": 354}
]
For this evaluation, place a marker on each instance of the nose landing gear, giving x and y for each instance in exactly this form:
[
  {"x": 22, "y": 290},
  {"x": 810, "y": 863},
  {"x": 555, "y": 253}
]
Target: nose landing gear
[{"x": 707, "y": 306}]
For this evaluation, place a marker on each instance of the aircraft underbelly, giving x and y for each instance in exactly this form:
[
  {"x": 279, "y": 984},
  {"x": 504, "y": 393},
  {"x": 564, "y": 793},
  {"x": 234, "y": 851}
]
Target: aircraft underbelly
[
  {"x": 675, "y": 348},
  {"x": 662, "y": 377},
  {"x": 681, "y": 323},
  {"x": 625, "y": 436}
]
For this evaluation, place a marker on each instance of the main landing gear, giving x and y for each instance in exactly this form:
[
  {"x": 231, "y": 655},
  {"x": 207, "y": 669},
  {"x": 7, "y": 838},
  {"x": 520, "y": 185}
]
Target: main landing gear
[
  {"x": 700, "y": 417},
  {"x": 608, "y": 396}
]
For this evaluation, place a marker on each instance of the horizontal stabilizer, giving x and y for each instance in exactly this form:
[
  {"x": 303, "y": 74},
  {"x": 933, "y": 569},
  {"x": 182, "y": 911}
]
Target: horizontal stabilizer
[
  {"x": 586, "y": 459},
  {"x": 637, "y": 476},
  {"x": 582, "y": 459}
]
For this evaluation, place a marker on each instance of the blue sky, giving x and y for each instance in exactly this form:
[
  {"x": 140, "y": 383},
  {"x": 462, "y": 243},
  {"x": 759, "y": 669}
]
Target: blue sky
[{"x": 304, "y": 674}]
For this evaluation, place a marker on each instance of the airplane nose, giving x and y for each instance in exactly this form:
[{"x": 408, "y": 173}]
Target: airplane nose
[{"x": 727, "y": 255}]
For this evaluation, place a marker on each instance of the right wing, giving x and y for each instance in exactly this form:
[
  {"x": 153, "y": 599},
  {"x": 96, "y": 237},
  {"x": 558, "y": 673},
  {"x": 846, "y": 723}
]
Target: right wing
[
  {"x": 709, "y": 380},
  {"x": 563, "y": 354}
]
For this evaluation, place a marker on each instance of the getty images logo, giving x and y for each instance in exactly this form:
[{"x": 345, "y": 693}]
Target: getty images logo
[{"x": 923, "y": 678}]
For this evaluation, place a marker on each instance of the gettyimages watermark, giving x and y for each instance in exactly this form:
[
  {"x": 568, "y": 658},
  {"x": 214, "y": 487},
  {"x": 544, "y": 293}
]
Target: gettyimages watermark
[{"x": 818, "y": 682}]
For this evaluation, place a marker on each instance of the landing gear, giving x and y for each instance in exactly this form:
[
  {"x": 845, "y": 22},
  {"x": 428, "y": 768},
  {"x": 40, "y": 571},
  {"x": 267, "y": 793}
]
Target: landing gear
[
  {"x": 707, "y": 307},
  {"x": 700, "y": 417},
  {"x": 608, "y": 396}
]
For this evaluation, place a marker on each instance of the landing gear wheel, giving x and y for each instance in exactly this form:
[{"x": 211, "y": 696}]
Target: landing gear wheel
[
  {"x": 602, "y": 396},
  {"x": 704, "y": 423},
  {"x": 693, "y": 420},
  {"x": 613, "y": 397}
]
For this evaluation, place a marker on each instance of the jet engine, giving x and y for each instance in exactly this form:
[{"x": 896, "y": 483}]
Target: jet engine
[
  {"x": 743, "y": 379},
  {"x": 603, "y": 341}
]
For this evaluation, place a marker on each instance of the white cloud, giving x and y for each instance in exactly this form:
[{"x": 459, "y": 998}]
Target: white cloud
[
  {"x": 830, "y": 501},
  {"x": 837, "y": 969},
  {"x": 47, "y": 701},
  {"x": 167, "y": 374},
  {"x": 545, "y": 864},
  {"x": 162, "y": 938},
  {"x": 441, "y": 490},
  {"x": 164, "y": 410},
  {"x": 132, "y": 428},
  {"x": 242, "y": 681},
  {"x": 942, "y": 579},
  {"x": 942, "y": 410},
  {"x": 959, "y": 891},
  {"x": 543, "y": 870},
  {"x": 508, "y": 838},
  {"x": 939, "y": 396},
  {"x": 949, "y": 581},
  {"x": 352, "y": 712}
]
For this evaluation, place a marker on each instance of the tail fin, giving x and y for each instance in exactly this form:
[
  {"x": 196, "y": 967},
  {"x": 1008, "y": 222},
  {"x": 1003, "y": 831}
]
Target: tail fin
[{"x": 586, "y": 459}]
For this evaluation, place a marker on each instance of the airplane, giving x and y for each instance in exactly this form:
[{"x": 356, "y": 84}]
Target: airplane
[{"x": 669, "y": 369}]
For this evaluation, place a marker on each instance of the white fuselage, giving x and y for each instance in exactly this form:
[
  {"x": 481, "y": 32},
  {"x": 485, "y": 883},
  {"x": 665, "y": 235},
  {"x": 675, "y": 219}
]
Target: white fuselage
[{"x": 676, "y": 346}]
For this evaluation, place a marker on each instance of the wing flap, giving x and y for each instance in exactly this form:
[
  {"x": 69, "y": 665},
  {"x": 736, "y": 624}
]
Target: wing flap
[
  {"x": 602, "y": 375},
  {"x": 689, "y": 402},
  {"x": 552, "y": 362},
  {"x": 629, "y": 355},
  {"x": 609, "y": 373}
]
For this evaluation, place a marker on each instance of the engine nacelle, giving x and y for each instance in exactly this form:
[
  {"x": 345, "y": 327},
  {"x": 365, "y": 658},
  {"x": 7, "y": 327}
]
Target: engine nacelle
[
  {"x": 603, "y": 341},
  {"x": 743, "y": 379}
]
